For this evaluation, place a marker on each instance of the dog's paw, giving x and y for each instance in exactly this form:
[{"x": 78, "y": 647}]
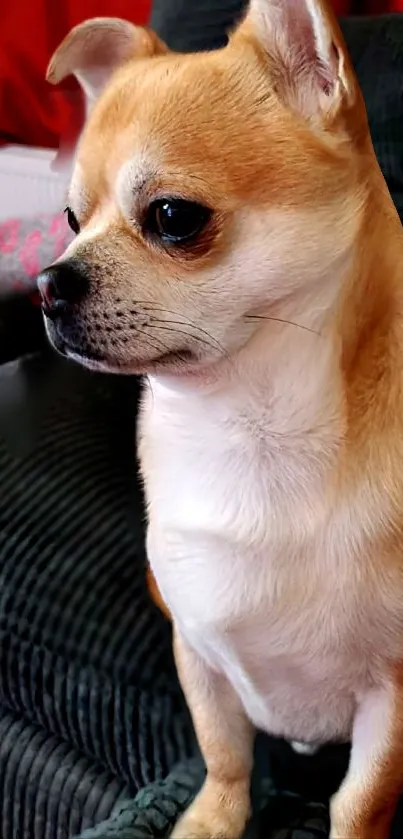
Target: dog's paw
[
  {"x": 195, "y": 826},
  {"x": 214, "y": 817}
]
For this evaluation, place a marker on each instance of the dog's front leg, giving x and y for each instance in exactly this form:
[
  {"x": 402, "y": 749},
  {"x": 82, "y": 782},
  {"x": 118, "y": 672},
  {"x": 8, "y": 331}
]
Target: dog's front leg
[
  {"x": 364, "y": 806},
  {"x": 222, "y": 807}
]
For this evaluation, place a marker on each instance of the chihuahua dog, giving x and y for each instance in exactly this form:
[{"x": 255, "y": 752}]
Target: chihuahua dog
[{"x": 237, "y": 244}]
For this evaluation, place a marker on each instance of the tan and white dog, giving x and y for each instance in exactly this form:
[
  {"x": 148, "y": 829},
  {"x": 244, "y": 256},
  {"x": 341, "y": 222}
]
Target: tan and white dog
[{"x": 236, "y": 242}]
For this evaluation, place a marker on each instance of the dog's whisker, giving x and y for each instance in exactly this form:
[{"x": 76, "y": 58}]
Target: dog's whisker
[
  {"x": 165, "y": 347},
  {"x": 285, "y": 322},
  {"x": 182, "y": 332},
  {"x": 147, "y": 306},
  {"x": 162, "y": 345},
  {"x": 211, "y": 342},
  {"x": 185, "y": 322},
  {"x": 203, "y": 341}
]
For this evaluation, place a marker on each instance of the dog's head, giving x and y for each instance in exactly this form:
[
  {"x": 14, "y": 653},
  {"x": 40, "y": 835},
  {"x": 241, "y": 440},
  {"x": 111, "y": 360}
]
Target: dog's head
[{"x": 207, "y": 189}]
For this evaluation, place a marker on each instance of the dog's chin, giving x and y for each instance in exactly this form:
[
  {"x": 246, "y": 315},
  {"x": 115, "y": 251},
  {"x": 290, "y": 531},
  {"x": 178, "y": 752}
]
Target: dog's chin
[
  {"x": 172, "y": 363},
  {"x": 181, "y": 362}
]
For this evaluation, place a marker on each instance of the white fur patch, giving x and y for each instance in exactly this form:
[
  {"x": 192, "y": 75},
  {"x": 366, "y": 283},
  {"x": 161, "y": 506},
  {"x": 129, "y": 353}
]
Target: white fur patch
[
  {"x": 260, "y": 572},
  {"x": 305, "y": 749}
]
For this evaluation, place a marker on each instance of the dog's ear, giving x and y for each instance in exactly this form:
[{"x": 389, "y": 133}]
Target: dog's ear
[
  {"x": 306, "y": 55},
  {"x": 97, "y": 47}
]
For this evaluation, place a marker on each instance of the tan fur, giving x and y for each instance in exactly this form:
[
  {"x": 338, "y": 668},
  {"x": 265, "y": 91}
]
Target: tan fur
[
  {"x": 305, "y": 238},
  {"x": 226, "y": 737},
  {"x": 156, "y": 594},
  {"x": 364, "y": 806}
]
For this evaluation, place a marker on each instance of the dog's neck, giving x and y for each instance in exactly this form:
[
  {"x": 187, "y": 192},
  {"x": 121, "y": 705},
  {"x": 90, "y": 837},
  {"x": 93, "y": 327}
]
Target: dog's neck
[
  {"x": 279, "y": 380},
  {"x": 325, "y": 381}
]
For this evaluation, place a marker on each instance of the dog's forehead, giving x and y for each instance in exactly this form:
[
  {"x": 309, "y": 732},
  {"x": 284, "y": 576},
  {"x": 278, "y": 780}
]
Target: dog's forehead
[
  {"x": 181, "y": 121},
  {"x": 170, "y": 95},
  {"x": 181, "y": 109}
]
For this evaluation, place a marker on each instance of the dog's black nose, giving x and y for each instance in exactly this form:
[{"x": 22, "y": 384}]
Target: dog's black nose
[{"x": 61, "y": 286}]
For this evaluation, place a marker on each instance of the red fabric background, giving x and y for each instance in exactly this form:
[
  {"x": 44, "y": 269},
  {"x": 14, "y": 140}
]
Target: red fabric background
[{"x": 31, "y": 111}]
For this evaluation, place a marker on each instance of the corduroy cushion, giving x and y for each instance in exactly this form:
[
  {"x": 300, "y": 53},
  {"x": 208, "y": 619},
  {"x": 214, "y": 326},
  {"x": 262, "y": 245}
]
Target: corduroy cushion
[{"x": 89, "y": 702}]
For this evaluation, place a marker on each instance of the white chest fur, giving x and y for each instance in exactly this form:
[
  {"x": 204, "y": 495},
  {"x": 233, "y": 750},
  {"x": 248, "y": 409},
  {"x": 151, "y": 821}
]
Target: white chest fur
[{"x": 258, "y": 576}]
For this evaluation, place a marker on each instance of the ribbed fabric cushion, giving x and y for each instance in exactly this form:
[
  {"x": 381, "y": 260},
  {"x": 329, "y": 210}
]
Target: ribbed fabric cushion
[
  {"x": 84, "y": 656},
  {"x": 156, "y": 809},
  {"x": 48, "y": 789}
]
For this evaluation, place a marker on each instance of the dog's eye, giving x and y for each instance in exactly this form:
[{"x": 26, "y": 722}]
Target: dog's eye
[
  {"x": 176, "y": 221},
  {"x": 72, "y": 221}
]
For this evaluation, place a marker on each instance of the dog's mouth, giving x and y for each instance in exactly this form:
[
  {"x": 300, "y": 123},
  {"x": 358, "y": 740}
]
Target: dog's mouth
[{"x": 177, "y": 360}]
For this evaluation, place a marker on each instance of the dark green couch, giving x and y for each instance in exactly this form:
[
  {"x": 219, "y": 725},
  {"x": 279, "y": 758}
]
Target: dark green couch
[{"x": 90, "y": 708}]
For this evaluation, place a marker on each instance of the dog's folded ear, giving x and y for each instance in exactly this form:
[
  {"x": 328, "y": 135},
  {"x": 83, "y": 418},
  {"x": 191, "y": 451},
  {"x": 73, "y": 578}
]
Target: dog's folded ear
[
  {"x": 95, "y": 48},
  {"x": 305, "y": 54}
]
